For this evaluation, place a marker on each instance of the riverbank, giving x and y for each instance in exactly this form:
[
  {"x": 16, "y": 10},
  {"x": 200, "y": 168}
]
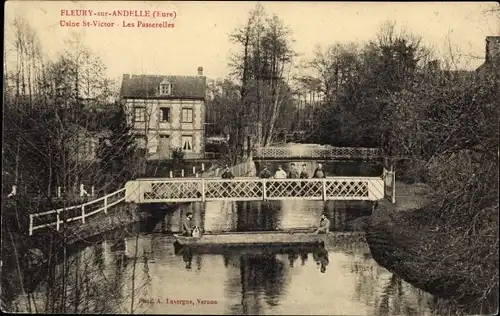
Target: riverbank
[{"x": 403, "y": 238}]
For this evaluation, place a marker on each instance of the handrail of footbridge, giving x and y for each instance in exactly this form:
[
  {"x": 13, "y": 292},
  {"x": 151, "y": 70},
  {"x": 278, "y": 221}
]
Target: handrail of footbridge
[
  {"x": 76, "y": 212},
  {"x": 317, "y": 152},
  {"x": 254, "y": 189}
]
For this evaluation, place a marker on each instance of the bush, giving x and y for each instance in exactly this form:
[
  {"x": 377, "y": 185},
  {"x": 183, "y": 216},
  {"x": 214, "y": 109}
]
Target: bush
[{"x": 178, "y": 157}]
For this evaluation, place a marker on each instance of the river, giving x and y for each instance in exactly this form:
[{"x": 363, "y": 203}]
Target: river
[{"x": 138, "y": 270}]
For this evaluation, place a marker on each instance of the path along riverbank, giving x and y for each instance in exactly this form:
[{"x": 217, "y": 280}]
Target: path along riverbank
[{"x": 402, "y": 240}]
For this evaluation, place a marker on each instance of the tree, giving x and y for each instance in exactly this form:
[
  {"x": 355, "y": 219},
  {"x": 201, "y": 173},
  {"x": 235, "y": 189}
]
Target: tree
[{"x": 260, "y": 70}]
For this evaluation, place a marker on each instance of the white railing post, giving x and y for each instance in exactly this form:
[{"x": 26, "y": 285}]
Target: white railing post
[
  {"x": 264, "y": 193},
  {"x": 105, "y": 204},
  {"x": 58, "y": 219},
  {"x": 182, "y": 173},
  {"x": 324, "y": 189},
  {"x": 202, "y": 166},
  {"x": 203, "y": 190},
  {"x": 83, "y": 213},
  {"x": 194, "y": 170},
  {"x": 31, "y": 224},
  {"x": 171, "y": 174}
]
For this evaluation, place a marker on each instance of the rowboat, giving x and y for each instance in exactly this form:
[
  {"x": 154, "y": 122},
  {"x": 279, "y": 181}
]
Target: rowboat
[{"x": 252, "y": 238}]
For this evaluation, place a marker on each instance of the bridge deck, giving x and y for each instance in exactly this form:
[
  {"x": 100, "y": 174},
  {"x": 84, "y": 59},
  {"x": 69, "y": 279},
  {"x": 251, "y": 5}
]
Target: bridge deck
[{"x": 251, "y": 189}]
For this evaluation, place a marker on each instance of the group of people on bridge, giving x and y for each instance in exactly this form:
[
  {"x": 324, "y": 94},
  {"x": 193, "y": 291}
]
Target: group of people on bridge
[{"x": 293, "y": 173}]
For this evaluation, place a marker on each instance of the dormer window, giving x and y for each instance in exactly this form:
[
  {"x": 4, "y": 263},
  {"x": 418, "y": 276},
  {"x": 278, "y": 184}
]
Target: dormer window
[{"x": 165, "y": 88}]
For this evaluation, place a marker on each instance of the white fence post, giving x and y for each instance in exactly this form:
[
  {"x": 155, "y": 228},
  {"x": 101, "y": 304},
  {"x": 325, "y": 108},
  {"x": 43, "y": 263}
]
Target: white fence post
[
  {"x": 194, "y": 170},
  {"x": 393, "y": 187},
  {"x": 202, "y": 166},
  {"x": 58, "y": 219},
  {"x": 105, "y": 204},
  {"x": 171, "y": 174},
  {"x": 83, "y": 213},
  {"x": 31, "y": 224},
  {"x": 182, "y": 173}
]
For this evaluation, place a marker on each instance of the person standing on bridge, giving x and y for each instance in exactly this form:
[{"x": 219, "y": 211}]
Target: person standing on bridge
[
  {"x": 227, "y": 174},
  {"x": 187, "y": 225},
  {"x": 304, "y": 174},
  {"x": 319, "y": 172},
  {"x": 280, "y": 173},
  {"x": 324, "y": 225},
  {"x": 293, "y": 173},
  {"x": 265, "y": 173}
]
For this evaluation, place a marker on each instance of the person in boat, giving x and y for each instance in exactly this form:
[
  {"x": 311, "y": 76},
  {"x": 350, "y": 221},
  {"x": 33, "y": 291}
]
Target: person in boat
[
  {"x": 187, "y": 225},
  {"x": 227, "y": 173},
  {"x": 319, "y": 172},
  {"x": 280, "y": 173},
  {"x": 265, "y": 173},
  {"x": 324, "y": 225}
]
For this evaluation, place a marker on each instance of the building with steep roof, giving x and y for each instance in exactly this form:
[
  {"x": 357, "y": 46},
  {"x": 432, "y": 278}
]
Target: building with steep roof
[{"x": 167, "y": 112}]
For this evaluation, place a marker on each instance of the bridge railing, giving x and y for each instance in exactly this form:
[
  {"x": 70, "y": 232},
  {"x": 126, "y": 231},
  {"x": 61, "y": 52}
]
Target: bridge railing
[
  {"x": 318, "y": 152},
  {"x": 69, "y": 214},
  {"x": 201, "y": 190}
]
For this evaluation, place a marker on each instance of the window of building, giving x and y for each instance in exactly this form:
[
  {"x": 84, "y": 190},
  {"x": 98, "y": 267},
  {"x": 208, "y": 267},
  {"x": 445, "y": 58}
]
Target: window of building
[
  {"x": 140, "y": 114},
  {"x": 187, "y": 115},
  {"x": 165, "y": 89},
  {"x": 187, "y": 143},
  {"x": 164, "y": 114}
]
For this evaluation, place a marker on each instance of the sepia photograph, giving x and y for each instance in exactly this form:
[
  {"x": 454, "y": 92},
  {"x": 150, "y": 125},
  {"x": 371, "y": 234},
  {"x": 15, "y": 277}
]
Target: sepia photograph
[{"x": 250, "y": 158}]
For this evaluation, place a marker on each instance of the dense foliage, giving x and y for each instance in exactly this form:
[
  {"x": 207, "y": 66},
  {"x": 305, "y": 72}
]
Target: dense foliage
[{"x": 441, "y": 127}]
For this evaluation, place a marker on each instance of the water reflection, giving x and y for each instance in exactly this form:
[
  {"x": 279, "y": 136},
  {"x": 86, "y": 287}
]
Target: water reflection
[
  {"x": 320, "y": 255},
  {"x": 118, "y": 276},
  {"x": 220, "y": 216}
]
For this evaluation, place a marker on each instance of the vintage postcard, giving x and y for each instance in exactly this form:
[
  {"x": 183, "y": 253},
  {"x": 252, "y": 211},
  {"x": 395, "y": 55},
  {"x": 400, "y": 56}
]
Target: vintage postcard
[{"x": 250, "y": 158}]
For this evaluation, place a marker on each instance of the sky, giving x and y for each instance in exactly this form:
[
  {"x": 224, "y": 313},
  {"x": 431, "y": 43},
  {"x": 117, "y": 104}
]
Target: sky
[{"x": 201, "y": 28}]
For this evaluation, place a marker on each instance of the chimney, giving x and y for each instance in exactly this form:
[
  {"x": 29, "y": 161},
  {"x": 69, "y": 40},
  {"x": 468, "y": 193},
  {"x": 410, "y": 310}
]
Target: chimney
[
  {"x": 200, "y": 71},
  {"x": 434, "y": 65},
  {"x": 492, "y": 48}
]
